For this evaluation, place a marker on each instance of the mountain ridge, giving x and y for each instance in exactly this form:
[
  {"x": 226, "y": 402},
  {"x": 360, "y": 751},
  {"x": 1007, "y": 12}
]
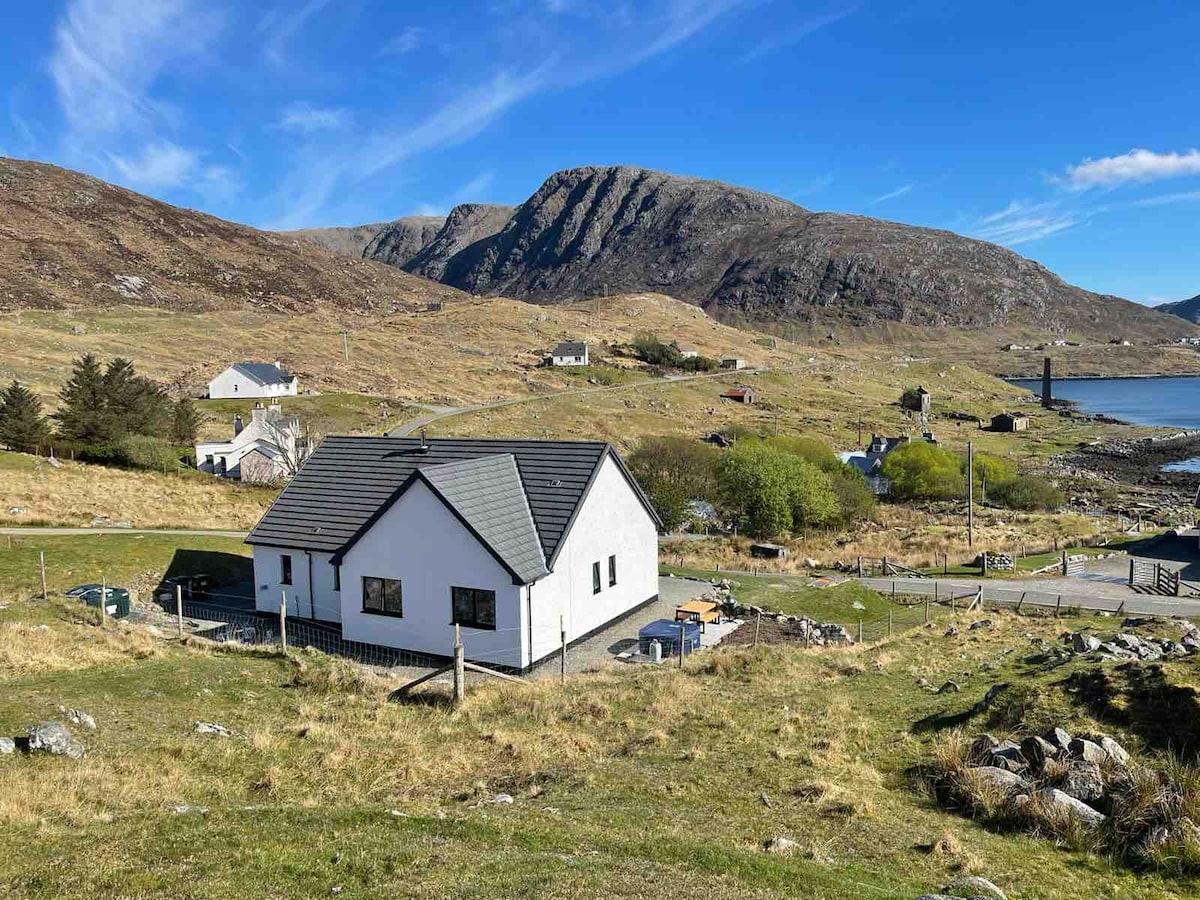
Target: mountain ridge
[
  {"x": 738, "y": 252},
  {"x": 1188, "y": 310}
]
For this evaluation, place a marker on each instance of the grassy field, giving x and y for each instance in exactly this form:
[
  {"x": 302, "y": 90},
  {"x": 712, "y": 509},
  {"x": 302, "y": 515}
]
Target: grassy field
[
  {"x": 135, "y": 561},
  {"x": 623, "y": 782},
  {"x": 76, "y": 493}
]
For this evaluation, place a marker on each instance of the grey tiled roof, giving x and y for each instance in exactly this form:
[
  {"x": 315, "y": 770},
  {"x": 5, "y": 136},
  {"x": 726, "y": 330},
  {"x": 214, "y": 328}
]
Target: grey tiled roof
[
  {"x": 487, "y": 494},
  {"x": 349, "y": 482},
  {"x": 264, "y": 373},
  {"x": 570, "y": 348}
]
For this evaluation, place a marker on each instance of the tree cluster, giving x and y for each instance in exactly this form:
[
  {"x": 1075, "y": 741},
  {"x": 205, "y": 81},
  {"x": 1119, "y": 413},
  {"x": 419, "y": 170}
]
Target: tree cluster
[
  {"x": 106, "y": 413},
  {"x": 649, "y": 349},
  {"x": 923, "y": 471},
  {"x": 765, "y": 486}
]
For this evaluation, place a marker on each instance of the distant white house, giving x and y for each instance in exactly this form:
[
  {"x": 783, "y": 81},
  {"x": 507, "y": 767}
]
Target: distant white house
[
  {"x": 733, "y": 363},
  {"x": 254, "y": 381},
  {"x": 570, "y": 353},
  {"x": 265, "y": 451},
  {"x": 400, "y": 539},
  {"x": 688, "y": 352}
]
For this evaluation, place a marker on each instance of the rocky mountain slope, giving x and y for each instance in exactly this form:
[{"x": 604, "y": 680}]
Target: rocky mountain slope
[
  {"x": 71, "y": 241},
  {"x": 741, "y": 253},
  {"x": 351, "y": 240},
  {"x": 403, "y": 239},
  {"x": 1186, "y": 309}
]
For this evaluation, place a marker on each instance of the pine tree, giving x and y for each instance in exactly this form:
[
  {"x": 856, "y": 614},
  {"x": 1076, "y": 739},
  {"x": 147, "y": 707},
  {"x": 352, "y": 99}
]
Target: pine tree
[
  {"x": 185, "y": 422},
  {"x": 22, "y": 425},
  {"x": 83, "y": 413},
  {"x": 135, "y": 405}
]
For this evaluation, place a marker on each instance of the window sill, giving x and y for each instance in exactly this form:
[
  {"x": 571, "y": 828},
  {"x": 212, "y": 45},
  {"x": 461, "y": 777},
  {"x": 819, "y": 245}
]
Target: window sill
[
  {"x": 389, "y": 615},
  {"x": 473, "y": 626}
]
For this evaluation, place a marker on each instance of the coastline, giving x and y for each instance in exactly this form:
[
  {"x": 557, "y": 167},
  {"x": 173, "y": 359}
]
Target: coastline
[{"x": 1038, "y": 378}]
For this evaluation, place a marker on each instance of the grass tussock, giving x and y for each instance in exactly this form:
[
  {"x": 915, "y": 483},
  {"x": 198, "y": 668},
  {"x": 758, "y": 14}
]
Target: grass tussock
[
  {"x": 28, "y": 649},
  {"x": 320, "y": 673}
]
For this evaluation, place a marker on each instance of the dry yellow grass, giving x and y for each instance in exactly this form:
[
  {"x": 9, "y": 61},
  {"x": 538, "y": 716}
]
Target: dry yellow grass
[
  {"x": 26, "y": 649},
  {"x": 74, "y": 494}
]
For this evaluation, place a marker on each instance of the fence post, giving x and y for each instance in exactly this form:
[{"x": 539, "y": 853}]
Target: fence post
[
  {"x": 885, "y": 567},
  {"x": 860, "y": 568},
  {"x": 860, "y": 640},
  {"x": 460, "y": 671},
  {"x": 889, "y": 621},
  {"x": 41, "y": 566},
  {"x": 1019, "y": 602},
  {"x": 1064, "y": 564},
  {"x": 103, "y": 598},
  {"x": 283, "y": 619},
  {"x": 1131, "y": 573},
  {"x": 682, "y": 635},
  {"x": 179, "y": 609},
  {"x": 757, "y": 622},
  {"x": 927, "y": 608},
  {"x": 945, "y": 563},
  {"x": 1058, "y": 606},
  {"x": 984, "y": 563},
  {"x": 893, "y": 592},
  {"x": 562, "y": 632}
]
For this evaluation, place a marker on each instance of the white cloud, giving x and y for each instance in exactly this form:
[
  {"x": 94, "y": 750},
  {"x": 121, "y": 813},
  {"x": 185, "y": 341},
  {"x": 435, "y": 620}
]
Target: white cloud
[
  {"x": 405, "y": 42},
  {"x": 1134, "y": 166},
  {"x": 1168, "y": 199},
  {"x": 1019, "y": 222},
  {"x": 108, "y": 53},
  {"x": 307, "y": 119},
  {"x": 892, "y": 195},
  {"x": 282, "y": 24},
  {"x": 161, "y": 165},
  {"x": 431, "y": 209},
  {"x": 786, "y": 37},
  {"x": 472, "y": 191}
]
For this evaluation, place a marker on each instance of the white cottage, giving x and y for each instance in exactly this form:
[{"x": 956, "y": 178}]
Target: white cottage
[
  {"x": 254, "y": 381},
  {"x": 265, "y": 451},
  {"x": 399, "y": 539},
  {"x": 570, "y": 353}
]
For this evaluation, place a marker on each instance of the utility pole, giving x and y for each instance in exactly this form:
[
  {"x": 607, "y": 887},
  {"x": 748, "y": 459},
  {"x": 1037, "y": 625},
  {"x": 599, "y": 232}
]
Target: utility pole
[
  {"x": 345, "y": 345},
  {"x": 970, "y": 494}
]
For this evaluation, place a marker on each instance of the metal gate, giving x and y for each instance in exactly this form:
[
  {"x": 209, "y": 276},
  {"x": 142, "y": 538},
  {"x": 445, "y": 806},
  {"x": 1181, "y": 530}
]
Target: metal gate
[
  {"x": 1154, "y": 576},
  {"x": 1073, "y": 566}
]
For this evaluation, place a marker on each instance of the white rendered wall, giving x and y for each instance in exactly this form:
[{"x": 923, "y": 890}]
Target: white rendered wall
[
  {"x": 611, "y": 521},
  {"x": 423, "y": 544},
  {"x": 323, "y": 603}
]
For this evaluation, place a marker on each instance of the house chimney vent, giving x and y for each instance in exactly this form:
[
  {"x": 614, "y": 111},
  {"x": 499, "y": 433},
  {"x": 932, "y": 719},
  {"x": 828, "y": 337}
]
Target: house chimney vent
[{"x": 424, "y": 448}]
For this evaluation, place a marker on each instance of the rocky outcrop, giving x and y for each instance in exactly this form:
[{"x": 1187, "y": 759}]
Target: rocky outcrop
[
  {"x": 732, "y": 250},
  {"x": 349, "y": 241},
  {"x": 465, "y": 227},
  {"x": 398, "y": 242}
]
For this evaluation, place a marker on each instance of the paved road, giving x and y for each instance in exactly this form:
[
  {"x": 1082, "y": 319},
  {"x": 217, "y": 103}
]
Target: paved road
[
  {"x": 59, "y": 532},
  {"x": 437, "y": 414},
  {"x": 1082, "y": 593}
]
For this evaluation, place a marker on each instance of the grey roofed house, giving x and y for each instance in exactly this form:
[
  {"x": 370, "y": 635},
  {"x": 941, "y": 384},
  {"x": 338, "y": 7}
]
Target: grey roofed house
[
  {"x": 264, "y": 373},
  {"x": 491, "y": 485},
  {"x": 570, "y": 348}
]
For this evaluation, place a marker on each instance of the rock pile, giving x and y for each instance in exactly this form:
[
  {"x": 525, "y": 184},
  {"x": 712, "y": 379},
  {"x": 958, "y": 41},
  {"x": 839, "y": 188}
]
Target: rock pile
[
  {"x": 811, "y": 632},
  {"x": 1125, "y": 645}
]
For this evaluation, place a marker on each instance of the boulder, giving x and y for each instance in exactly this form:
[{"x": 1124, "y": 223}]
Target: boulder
[
  {"x": 7, "y": 746},
  {"x": 1008, "y": 756},
  {"x": 950, "y": 687},
  {"x": 1129, "y": 641},
  {"x": 981, "y": 623},
  {"x": 982, "y": 747},
  {"x": 974, "y": 886},
  {"x": 1068, "y": 805},
  {"x": 55, "y": 739},
  {"x": 1081, "y": 748},
  {"x": 780, "y": 845},
  {"x": 1083, "y": 781},
  {"x": 79, "y": 717},
  {"x": 1036, "y": 751},
  {"x": 1115, "y": 751},
  {"x": 212, "y": 728},
  {"x": 1084, "y": 643},
  {"x": 994, "y": 776},
  {"x": 1059, "y": 738}
]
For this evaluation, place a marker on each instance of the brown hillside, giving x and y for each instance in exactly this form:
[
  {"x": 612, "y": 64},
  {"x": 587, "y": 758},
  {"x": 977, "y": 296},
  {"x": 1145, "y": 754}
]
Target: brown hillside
[{"x": 71, "y": 241}]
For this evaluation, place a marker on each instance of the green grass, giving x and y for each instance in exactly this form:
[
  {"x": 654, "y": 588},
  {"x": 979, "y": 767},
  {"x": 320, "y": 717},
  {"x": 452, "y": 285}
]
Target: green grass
[
  {"x": 624, "y": 782},
  {"x": 122, "y": 559},
  {"x": 794, "y": 596}
]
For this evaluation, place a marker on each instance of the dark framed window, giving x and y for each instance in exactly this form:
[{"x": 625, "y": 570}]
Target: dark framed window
[
  {"x": 383, "y": 596},
  {"x": 596, "y": 577},
  {"x": 337, "y": 578},
  {"x": 285, "y": 569},
  {"x": 612, "y": 570},
  {"x": 473, "y": 607}
]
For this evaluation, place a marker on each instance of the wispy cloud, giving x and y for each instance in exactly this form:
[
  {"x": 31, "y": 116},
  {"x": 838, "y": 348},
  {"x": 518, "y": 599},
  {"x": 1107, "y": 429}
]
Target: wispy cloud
[
  {"x": 1020, "y": 222},
  {"x": 1133, "y": 167},
  {"x": 108, "y": 53},
  {"x": 787, "y": 37},
  {"x": 1169, "y": 199},
  {"x": 473, "y": 190},
  {"x": 892, "y": 195},
  {"x": 160, "y": 165},
  {"x": 307, "y": 119},
  {"x": 405, "y": 42},
  {"x": 283, "y": 23}
]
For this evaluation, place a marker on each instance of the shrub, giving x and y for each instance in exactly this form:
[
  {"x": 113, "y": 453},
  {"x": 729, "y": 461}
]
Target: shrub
[
  {"x": 775, "y": 491},
  {"x": 139, "y": 451},
  {"x": 991, "y": 470},
  {"x": 699, "y": 364},
  {"x": 648, "y": 348},
  {"x": 856, "y": 501},
  {"x": 1026, "y": 492},
  {"x": 672, "y": 471},
  {"x": 923, "y": 471}
]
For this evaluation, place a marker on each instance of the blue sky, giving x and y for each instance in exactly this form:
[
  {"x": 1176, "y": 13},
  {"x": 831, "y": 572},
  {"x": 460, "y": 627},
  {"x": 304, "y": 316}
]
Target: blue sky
[{"x": 1065, "y": 129}]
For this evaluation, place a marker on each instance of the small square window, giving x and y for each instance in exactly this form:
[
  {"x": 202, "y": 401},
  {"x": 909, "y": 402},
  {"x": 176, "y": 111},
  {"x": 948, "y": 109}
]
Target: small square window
[
  {"x": 383, "y": 596},
  {"x": 596, "y": 577},
  {"x": 612, "y": 571},
  {"x": 285, "y": 569},
  {"x": 473, "y": 607}
]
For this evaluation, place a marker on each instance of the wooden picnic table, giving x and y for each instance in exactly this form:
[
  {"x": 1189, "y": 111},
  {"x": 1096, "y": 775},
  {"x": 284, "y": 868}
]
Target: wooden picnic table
[{"x": 702, "y": 611}]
